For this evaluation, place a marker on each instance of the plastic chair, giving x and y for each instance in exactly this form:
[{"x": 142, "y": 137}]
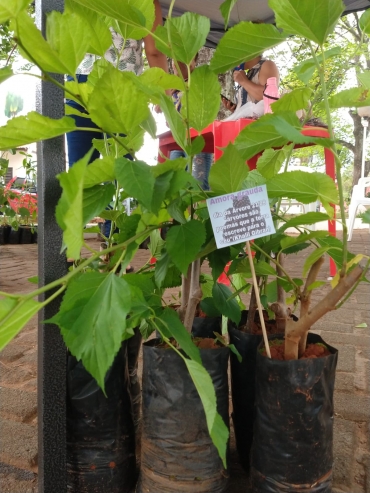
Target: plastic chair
[{"x": 358, "y": 198}]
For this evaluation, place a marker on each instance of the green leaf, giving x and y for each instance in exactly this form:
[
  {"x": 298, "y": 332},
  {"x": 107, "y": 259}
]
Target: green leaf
[
  {"x": 366, "y": 217},
  {"x": 244, "y": 42},
  {"x": 218, "y": 260},
  {"x": 225, "y": 302},
  {"x": 130, "y": 32},
  {"x": 313, "y": 257},
  {"x": 304, "y": 187},
  {"x": 314, "y": 20},
  {"x": 95, "y": 199},
  {"x": 208, "y": 306},
  {"x": 99, "y": 171},
  {"x": 229, "y": 172},
  {"x": 5, "y": 73},
  {"x": 67, "y": 41},
  {"x": 33, "y": 279},
  {"x": 315, "y": 285},
  {"x": 100, "y": 36},
  {"x": 271, "y": 292},
  {"x": 357, "y": 96},
  {"x": 306, "y": 69},
  {"x": 69, "y": 213},
  {"x": 361, "y": 326},
  {"x": 290, "y": 241},
  {"x": 269, "y": 164},
  {"x": 217, "y": 429},
  {"x": 174, "y": 328},
  {"x": 264, "y": 269},
  {"x": 150, "y": 126},
  {"x": 92, "y": 319},
  {"x": 116, "y": 105},
  {"x": 153, "y": 78},
  {"x": 309, "y": 218},
  {"x": 161, "y": 186},
  {"x": 14, "y": 314},
  {"x": 184, "y": 242},
  {"x": 197, "y": 145},
  {"x": 126, "y": 12},
  {"x": 204, "y": 100},
  {"x": 365, "y": 22},
  {"x": 225, "y": 9},
  {"x": 188, "y": 34},
  {"x": 336, "y": 249},
  {"x": 33, "y": 127},
  {"x": 174, "y": 121},
  {"x": 293, "y": 101},
  {"x": 161, "y": 268},
  {"x": 11, "y": 8},
  {"x": 128, "y": 226},
  {"x": 136, "y": 179}
]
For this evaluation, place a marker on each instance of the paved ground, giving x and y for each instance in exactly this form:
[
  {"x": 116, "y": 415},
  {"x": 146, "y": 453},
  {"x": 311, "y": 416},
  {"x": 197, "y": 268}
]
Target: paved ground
[{"x": 18, "y": 385}]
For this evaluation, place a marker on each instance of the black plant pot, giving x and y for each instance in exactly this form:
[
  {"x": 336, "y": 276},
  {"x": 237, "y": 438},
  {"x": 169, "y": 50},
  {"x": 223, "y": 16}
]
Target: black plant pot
[
  {"x": 100, "y": 430},
  {"x": 26, "y": 236},
  {"x": 177, "y": 453},
  {"x": 292, "y": 447},
  {"x": 34, "y": 236},
  {"x": 14, "y": 236},
  {"x": 4, "y": 234}
]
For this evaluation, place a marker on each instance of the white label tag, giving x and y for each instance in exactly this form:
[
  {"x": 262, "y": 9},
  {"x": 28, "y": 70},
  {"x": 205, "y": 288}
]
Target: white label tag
[{"x": 240, "y": 216}]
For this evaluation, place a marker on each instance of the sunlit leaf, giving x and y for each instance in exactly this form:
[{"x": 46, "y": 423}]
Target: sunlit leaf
[
  {"x": 270, "y": 162},
  {"x": 14, "y": 314},
  {"x": 11, "y": 8},
  {"x": 5, "y": 73},
  {"x": 314, "y": 20},
  {"x": 226, "y": 8},
  {"x": 293, "y": 101},
  {"x": 306, "y": 69},
  {"x": 308, "y": 218},
  {"x": 357, "y": 96},
  {"x": 33, "y": 127},
  {"x": 99, "y": 171},
  {"x": 174, "y": 121},
  {"x": 95, "y": 199},
  {"x": 365, "y": 22},
  {"x": 244, "y": 42},
  {"x": 229, "y": 172},
  {"x": 136, "y": 179},
  {"x": 184, "y": 242}
]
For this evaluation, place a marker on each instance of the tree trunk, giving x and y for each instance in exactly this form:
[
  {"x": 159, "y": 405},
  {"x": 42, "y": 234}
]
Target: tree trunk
[{"x": 358, "y": 133}]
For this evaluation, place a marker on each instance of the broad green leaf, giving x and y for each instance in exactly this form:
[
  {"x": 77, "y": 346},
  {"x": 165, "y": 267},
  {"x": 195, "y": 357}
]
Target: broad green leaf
[
  {"x": 229, "y": 172},
  {"x": 204, "y": 100},
  {"x": 314, "y": 20},
  {"x": 366, "y": 217},
  {"x": 101, "y": 65},
  {"x": 269, "y": 164},
  {"x": 224, "y": 301},
  {"x": 357, "y": 96},
  {"x": 216, "y": 427},
  {"x": 69, "y": 211},
  {"x": 33, "y": 127},
  {"x": 218, "y": 260},
  {"x": 364, "y": 78},
  {"x": 5, "y": 73},
  {"x": 161, "y": 186},
  {"x": 52, "y": 55},
  {"x": 271, "y": 292},
  {"x": 128, "y": 226},
  {"x": 197, "y": 145},
  {"x": 125, "y": 12},
  {"x": 134, "y": 141},
  {"x": 290, "y": 241},
  {"x": 11, "y": 8},
  {"x": 116, "y": 105},
  {"x": 155, "y": 78},
  {"x": 92, "y": 319},
  {"x": 178, "y": 164},
  {"x": 136, "y": 179},
  {"x": 99, "y": 171},
  {"x": 336, "y": 249},
  {"x": 361, "y": 326},
  {"x": 174, "y": 121},
  {"x": 161, "y": 268},
  {"x": 305, "y": 187},
  {"x": 128, "y": 31},
  {"x": 309, "y": 218},
  {"x": 149, "y": 125},
  {"x": 79, "y": 93},
  {"x": 365, "y": 22},
  {"x": 306, "y": 69},
  {"x": 184, "y": 242},
  {"x": 100, "y": 36},
  {"x": 185, "y": 35},
  {"x": 315, "y": 285},
  {"x": 264, "y": 269},
  {"x": 253, "y": 179},
  {"x": 225, "y": 9},
  {"x": 244, "y": 42},
  {"x": 175, "y": 329},
  {"x": 208, "y": 306},
  {"x": 95, "y": 199},
  {"x": 356, "y": 259},
  {"x": 293, "y": 101},
  {"x": 312, "y": 258},
  {"x": 14, "y": 314}
]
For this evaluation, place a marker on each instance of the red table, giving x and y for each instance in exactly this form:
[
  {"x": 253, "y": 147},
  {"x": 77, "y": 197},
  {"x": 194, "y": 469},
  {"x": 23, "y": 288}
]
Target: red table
[{"x": 218, "y": 135}]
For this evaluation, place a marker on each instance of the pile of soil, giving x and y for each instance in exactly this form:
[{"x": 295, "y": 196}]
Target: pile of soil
[{"x": 317, "y": 350}]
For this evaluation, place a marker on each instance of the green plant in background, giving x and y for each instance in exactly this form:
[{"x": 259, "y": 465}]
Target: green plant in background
[{"x": 119, "y": 103}]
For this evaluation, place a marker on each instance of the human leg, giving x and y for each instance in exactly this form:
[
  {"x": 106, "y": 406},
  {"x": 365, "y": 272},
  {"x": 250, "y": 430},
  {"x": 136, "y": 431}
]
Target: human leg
[{"x": 202, "y": 163}]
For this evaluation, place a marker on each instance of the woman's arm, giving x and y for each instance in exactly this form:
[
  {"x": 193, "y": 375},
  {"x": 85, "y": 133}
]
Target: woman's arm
[
  {"x": 268, "y": 69},
  {"x": 154, "y": 56}
]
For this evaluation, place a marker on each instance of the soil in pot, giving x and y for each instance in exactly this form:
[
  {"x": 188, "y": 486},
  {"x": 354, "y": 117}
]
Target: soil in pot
[
  {"x": 177, "y": 453},
  {"x": 243, "y": 376},
  {"x": 314, "y": 350},
  {"x": 4, "y": 234},
  {"x": 14, "y": 236},
  {"x": 100, "y": 430},
  {"x": 292, "y": 447}
]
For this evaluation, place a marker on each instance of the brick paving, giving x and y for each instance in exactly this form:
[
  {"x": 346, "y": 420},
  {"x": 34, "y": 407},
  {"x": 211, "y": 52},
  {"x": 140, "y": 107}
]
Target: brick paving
[{"x": 18, "y": 385}]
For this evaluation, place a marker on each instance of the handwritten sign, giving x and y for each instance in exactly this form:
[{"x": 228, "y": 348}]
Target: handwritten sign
[{"x": 240, "y": 216}]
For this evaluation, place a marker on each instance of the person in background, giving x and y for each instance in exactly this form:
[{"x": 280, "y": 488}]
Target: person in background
[
  {"x": 127, "y": 56},
  {"x": 251, "y": 78},
  {"x": 202, "y": 162}
]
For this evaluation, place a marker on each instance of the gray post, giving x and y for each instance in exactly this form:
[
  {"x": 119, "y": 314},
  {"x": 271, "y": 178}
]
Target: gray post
[{"x": 52, "y": 265}]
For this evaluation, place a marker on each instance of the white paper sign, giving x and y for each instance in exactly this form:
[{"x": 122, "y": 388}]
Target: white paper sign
[{"x": 240, "y": 216}]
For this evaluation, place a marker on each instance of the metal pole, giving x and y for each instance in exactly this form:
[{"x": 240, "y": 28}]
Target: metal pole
[
  {"x": 365, "y": 124},
  {"x": 52, "y": 265}
]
